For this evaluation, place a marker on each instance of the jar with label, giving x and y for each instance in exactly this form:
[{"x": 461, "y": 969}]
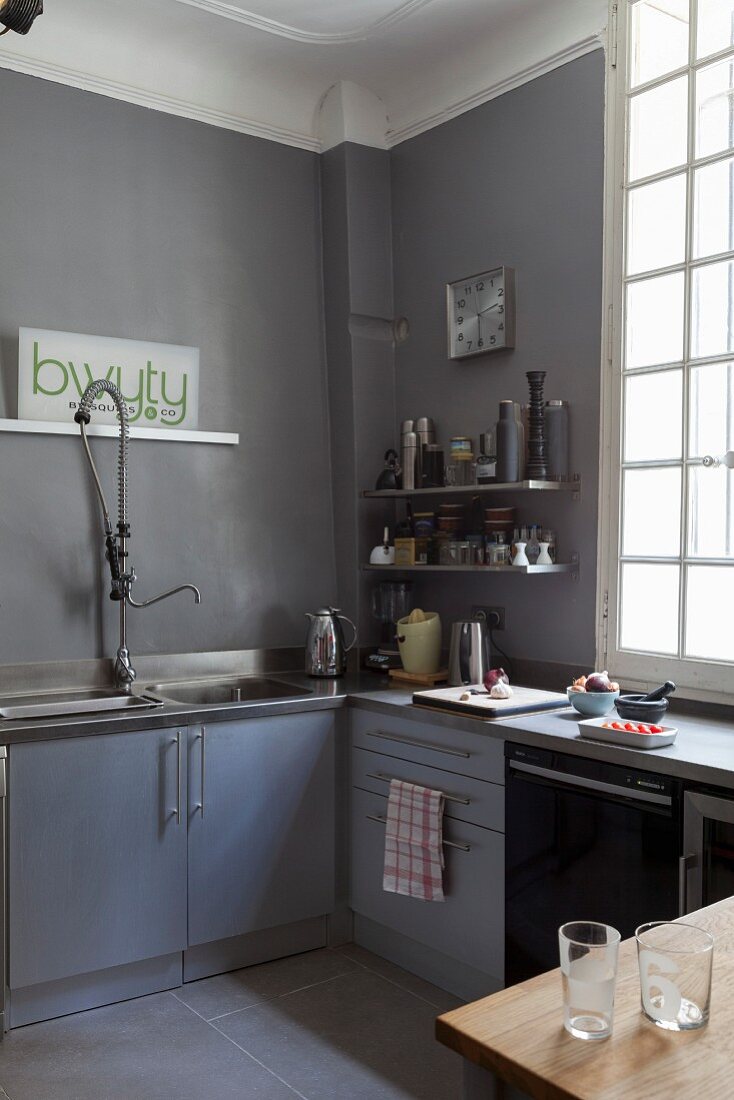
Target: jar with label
[
  {"x": 424, "y": 524},
  {"x": 460, "y": 444},
  {"x": 486, "y": 470}
]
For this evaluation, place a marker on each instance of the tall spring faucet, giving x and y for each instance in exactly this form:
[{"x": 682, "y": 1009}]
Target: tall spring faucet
[{"x": 116, "y": 543}]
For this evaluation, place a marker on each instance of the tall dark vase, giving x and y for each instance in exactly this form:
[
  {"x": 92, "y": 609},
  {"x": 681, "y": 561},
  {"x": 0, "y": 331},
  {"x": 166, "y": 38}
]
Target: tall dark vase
[{"x": 537, "y": 468}]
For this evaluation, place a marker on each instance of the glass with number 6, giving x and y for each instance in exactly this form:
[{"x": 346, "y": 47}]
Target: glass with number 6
[{"x": 675, "y": 974}]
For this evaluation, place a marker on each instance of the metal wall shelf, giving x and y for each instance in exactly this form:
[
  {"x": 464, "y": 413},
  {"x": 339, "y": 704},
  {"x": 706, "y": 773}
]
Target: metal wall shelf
[
  {"x": 498, "y": 487},
  {"x": 533, "y": 570}
]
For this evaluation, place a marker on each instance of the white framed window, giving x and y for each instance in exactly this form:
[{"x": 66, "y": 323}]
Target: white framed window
[{"x": 666, "y": 577}]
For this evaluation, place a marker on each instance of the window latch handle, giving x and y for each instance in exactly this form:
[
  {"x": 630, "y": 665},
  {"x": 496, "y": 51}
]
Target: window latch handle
[{"x": 725, "y": 460}]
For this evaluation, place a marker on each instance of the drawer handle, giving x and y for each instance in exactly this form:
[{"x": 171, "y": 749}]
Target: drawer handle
[
  {"x": 416, "y": 744},
  {"x": 388, "y": 778},
  {"x": 447, "y": 843}
]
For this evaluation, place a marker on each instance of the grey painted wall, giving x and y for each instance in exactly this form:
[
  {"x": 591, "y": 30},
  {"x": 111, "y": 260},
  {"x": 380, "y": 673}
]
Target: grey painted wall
[
  {"x": 517, "y": 181},
  {"x": 121, "y": 221}
]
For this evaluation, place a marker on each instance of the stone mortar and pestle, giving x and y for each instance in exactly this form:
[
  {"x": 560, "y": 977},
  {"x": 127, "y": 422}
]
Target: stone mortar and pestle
[{"x": 645, "y": 708}]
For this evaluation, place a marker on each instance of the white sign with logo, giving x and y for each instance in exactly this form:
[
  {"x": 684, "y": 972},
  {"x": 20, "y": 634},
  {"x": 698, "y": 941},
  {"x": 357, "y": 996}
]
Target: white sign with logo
[{"x": 160, "y": 382}]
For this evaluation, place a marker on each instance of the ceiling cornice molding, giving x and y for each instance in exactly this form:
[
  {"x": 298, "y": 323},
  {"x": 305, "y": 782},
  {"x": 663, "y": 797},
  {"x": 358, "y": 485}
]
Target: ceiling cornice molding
[
  {"x": 297, "y": 34},
  {"x": 492, "y": 91},
  {"x": 157, "y": 101}
]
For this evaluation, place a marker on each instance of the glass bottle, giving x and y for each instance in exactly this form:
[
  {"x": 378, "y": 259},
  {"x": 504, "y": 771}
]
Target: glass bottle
[
  {"x": 550, "y": 537},
  {"x": 533, "y": 547}
]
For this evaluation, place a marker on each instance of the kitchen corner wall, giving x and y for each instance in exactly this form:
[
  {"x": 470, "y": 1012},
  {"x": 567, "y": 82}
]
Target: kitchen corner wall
[
  {"x": 361, "y": 364},
  {"x": 121, "y": 221},
  {"x": 517, "y": 181}
]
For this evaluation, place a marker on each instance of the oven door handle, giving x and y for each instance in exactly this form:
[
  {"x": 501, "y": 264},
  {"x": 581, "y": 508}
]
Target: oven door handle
[{"x": 545, "y": 777}]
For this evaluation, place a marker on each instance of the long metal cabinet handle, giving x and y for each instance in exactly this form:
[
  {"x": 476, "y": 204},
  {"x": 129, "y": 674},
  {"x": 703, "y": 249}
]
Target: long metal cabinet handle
[
  {"x": 203, "y": 766},
  {"x": 562, "y": 779},
  {"x": 447, "y": 843},
  {"x": 388, "y": 778},
  {"x": 683, "y": 864},
  {"x": 177, "y": 743},
  {"x": 416, "y": 744},
  {"x": 3, "y": 780}
]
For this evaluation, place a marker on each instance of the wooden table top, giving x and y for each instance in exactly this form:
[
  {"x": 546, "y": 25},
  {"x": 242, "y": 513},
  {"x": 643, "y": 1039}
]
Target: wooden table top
[{"x": 519, "y": 1035}]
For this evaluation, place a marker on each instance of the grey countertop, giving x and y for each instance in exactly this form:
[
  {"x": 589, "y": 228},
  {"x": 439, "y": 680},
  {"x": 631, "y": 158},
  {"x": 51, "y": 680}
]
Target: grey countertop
[{"x": 702, "y": 753}]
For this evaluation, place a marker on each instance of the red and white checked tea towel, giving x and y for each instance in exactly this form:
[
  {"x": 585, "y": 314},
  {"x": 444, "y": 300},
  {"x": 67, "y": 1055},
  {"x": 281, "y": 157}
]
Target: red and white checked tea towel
[{"x": 414, "y": 842}]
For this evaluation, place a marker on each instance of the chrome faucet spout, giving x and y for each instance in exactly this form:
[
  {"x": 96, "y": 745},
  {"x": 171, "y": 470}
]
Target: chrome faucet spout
[{"x": 164, "y": 595}]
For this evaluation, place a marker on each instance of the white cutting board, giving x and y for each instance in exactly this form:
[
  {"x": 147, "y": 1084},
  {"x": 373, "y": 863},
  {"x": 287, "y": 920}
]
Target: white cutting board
[{"x": 522, "y": 701}]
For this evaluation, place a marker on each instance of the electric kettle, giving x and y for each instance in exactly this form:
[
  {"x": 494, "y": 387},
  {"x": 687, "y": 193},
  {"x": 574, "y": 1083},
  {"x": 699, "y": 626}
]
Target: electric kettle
[{"x": 326, "y": 654}]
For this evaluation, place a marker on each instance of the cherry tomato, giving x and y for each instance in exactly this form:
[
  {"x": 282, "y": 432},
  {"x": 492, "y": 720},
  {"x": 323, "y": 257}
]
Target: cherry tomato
[
  {"x": 630, "y": 727},
  {"x": 642, "y": 728},
  {"x": 617, "y": 726},
  {"x": 656, "y": 729}
]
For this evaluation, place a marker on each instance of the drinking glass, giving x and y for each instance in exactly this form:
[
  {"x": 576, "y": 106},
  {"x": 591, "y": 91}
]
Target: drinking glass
[
  {"x": 589, "y": 969},
  {"x": 675, "y": 974}
]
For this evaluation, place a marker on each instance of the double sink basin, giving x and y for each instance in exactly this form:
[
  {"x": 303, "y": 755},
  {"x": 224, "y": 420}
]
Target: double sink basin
[{"x": 230, "y": 691}]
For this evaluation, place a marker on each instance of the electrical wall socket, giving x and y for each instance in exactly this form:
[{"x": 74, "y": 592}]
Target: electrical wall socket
[{"x": 495, "y": 616}]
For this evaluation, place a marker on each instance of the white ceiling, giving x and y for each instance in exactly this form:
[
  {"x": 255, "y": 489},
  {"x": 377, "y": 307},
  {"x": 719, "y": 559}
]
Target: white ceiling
[{"x": 264, "y": 66}]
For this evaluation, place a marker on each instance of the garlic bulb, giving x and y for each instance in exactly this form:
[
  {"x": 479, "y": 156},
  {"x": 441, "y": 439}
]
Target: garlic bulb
[{"x": 501, "y": 690}]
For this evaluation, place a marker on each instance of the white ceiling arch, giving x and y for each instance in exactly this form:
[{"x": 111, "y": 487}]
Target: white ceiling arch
[{"x": 264, "y": 69}]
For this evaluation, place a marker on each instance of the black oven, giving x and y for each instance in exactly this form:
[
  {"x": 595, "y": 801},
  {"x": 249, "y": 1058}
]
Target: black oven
[{"x": 585, "y": 840}]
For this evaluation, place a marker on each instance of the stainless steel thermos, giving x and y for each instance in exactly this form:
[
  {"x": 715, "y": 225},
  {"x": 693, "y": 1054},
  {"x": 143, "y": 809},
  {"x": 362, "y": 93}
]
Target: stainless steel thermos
[{"x": 326, "y": 653}]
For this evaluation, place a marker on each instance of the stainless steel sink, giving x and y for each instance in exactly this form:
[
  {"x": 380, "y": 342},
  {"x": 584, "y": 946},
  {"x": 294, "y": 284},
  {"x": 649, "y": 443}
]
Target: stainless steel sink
[
  {"x": 60, "y": 703},
  {"x": 246, "y": 689}
]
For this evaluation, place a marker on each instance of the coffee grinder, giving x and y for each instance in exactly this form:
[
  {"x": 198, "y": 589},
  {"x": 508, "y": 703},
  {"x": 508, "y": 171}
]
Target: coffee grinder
[{"x": 391, "y": 600}]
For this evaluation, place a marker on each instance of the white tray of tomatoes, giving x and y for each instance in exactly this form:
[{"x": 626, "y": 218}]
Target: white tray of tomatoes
[{"x": 635, "y": 735}]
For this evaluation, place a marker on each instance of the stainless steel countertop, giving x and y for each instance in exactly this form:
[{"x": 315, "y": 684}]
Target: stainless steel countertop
[
  {"x": 702, "y": 753},
  {"x": 326, "y": 694}
]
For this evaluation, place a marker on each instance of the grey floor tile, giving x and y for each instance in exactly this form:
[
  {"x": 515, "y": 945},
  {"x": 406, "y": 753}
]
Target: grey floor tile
[
  {"x": 153, "y": 1048},
  {"x": 441, "y": 998},
  {"x": 214, "y": 997},
  {"x": 358, "y": 1037}
]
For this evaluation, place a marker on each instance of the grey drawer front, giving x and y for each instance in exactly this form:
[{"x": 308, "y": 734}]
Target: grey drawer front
[
  {"x": 469, "y": 924},
  {"x": 476, "y": 754},
  {"x": 467, "y": 799}
]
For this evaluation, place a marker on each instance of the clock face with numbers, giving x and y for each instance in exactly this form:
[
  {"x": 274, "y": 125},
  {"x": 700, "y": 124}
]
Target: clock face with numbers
[{"x": 481, "y": 313}]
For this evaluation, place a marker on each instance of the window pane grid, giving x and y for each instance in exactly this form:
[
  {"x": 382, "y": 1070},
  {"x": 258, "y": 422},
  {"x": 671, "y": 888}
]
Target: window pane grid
[
  {"x": 693, "y": 66},
  {"x": 657, "y": 566}
]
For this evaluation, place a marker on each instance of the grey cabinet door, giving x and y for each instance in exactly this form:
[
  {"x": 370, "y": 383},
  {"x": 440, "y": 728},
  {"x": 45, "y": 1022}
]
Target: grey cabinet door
[
  {"x": 469, "y": 924},
  {"x": 97, "y": 854},
  {"x": 262, "y": 851}
]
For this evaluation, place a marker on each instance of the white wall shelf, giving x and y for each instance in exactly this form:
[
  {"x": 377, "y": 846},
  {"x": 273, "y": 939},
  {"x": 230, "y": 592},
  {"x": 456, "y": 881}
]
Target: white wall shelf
[{"x": 111, "y": 431}]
